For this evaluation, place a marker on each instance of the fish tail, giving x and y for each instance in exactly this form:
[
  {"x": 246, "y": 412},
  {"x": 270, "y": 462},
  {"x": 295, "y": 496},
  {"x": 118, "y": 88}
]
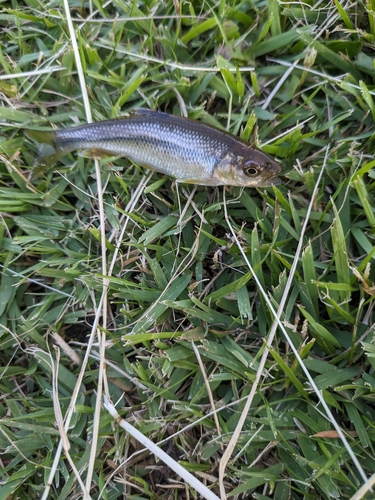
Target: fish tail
[{"x": 49, "y": 153}]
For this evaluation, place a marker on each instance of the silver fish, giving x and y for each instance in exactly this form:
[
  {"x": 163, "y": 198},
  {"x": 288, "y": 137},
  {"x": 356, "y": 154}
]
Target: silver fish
[{"x": 190, "y": 151}]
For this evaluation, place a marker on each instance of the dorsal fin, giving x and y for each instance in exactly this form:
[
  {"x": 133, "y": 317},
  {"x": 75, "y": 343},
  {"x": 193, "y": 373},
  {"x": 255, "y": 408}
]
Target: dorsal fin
[{"x": 148, "y": 112}]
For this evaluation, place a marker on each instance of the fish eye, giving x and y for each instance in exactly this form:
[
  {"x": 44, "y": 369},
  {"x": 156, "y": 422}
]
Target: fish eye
[{"x": 251, "y": 169}]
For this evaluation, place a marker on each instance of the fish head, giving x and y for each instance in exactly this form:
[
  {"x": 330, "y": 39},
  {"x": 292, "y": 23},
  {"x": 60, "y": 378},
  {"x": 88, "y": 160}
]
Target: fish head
[{"x": 248, "y": 167}]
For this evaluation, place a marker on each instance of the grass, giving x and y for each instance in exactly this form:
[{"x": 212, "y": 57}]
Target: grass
[{"x": 231, "y": 328}]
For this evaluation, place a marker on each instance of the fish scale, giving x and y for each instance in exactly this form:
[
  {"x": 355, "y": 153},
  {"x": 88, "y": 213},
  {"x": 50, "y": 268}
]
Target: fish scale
[{"x": 188, "y": 150}]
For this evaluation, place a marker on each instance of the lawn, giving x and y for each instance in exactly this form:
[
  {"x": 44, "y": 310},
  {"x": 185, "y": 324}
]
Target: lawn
[{"x": 172, "y": 341}]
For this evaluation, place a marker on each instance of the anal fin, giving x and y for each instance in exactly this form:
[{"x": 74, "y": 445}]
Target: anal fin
[{"x": 95, "y": 153}]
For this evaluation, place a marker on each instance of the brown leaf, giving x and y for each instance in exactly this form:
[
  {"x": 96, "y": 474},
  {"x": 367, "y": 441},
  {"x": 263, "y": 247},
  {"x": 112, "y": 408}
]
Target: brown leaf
[{"x": 333, "y": 434}]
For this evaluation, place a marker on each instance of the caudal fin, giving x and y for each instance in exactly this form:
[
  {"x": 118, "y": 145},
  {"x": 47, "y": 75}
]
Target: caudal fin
[{"x": 48, "y": 153}]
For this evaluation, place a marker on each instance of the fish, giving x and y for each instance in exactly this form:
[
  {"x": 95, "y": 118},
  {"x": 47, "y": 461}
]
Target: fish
[{"x": 188, "y": 150}]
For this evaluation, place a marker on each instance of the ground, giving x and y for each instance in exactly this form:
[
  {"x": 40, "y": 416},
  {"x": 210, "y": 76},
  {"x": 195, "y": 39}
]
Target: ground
[{"x": 231, "y": 327}]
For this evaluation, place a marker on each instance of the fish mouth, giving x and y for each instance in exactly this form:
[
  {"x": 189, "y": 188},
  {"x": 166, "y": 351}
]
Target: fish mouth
[
  {"x": 272, "y": 181},
  {"x": 272, "y": 169}
]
